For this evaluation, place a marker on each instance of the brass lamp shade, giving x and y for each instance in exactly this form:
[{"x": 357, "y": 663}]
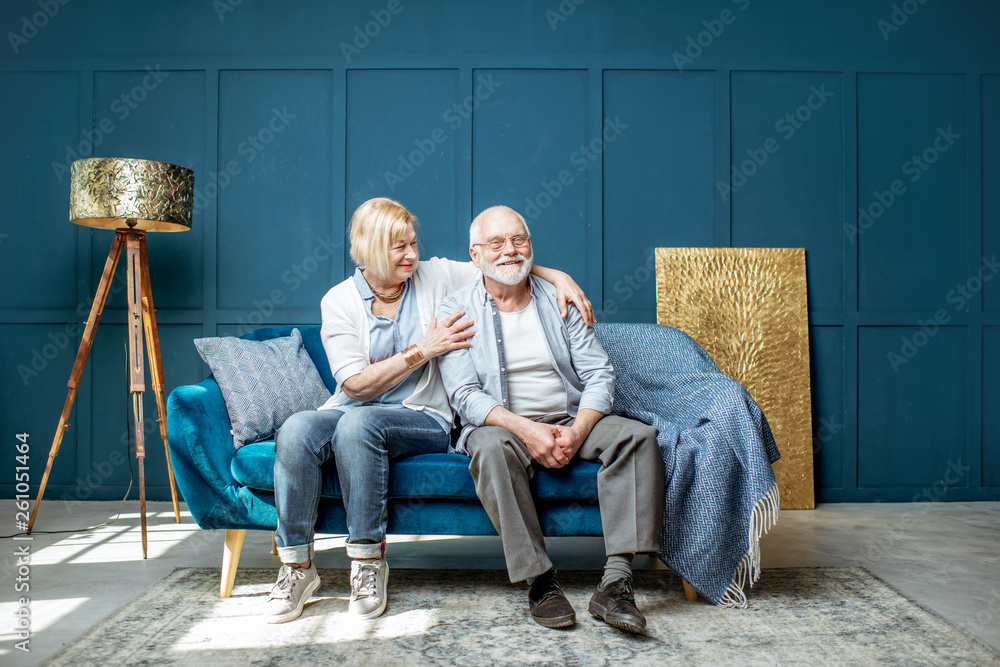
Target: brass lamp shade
[{"x": 143, "y": 195}]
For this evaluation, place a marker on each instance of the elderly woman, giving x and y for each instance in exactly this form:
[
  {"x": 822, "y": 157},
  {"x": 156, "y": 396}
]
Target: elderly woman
[{"x": 382, "y": 343}]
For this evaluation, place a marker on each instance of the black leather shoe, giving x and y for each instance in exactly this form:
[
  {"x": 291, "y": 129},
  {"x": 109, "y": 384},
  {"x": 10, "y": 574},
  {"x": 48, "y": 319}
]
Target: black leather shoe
[
  {"x": 615, "y": 605},
  {"x": 548, "y": 604}
]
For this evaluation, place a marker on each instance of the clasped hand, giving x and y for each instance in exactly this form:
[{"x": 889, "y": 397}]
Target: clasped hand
[{"x": 552, "y": 445}]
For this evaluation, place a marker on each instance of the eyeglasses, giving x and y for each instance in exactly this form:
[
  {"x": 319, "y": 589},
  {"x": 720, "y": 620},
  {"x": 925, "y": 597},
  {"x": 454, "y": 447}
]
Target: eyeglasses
[{"x": 518, "y": 241}]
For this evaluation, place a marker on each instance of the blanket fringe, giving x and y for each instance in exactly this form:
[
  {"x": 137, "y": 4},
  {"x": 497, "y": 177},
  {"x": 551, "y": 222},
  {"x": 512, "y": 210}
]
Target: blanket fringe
[{"x": 764, "y": 515}]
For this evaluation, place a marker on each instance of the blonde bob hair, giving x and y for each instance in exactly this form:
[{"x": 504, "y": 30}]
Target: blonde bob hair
[{"x": 376, "y": 226}]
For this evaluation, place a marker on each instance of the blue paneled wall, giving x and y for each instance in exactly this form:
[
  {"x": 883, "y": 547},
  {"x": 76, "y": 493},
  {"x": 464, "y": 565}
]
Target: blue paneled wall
[{"x": 866, "y": 132}]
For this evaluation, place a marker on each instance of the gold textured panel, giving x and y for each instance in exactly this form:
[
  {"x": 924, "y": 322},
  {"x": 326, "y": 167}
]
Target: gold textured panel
[{"x": 748, "y": 308}]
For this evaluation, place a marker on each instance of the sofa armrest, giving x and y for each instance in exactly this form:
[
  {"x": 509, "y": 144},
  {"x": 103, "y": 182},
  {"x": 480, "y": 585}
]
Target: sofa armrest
[{"x": 201, "y": 447}]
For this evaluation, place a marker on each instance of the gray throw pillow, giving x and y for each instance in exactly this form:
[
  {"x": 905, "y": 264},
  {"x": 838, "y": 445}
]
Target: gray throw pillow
[{"x": 263, "y": 382}]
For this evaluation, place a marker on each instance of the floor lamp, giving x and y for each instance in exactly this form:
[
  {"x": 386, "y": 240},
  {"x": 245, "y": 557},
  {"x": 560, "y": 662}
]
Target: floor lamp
[{"x": 131, "y": 197}]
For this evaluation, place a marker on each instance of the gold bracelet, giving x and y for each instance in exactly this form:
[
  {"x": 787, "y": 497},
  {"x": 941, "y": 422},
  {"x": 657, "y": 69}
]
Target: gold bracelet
[{"x": 413, "y": 356}]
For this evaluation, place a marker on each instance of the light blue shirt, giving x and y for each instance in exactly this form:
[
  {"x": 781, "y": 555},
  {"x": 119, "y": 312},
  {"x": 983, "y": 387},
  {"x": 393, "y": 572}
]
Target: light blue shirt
[
  {"x": 387, "y": 337},
  {"x": 476, "y": 377}
]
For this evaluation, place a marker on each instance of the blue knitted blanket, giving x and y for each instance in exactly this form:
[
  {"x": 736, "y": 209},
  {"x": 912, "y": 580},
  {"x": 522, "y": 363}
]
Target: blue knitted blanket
[{"x": 717, "y": 447}]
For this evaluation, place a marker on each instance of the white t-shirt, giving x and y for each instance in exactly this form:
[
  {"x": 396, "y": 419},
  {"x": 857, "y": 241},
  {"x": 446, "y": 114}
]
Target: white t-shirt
[{"x": 533, "y": 386}]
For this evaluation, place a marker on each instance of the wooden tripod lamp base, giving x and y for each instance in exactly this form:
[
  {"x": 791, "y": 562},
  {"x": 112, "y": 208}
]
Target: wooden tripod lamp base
[{"x": 132, "y": 197}]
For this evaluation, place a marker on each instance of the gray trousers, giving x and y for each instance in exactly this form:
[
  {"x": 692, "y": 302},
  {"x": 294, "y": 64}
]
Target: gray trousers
[{"x": 629, "y": 488}]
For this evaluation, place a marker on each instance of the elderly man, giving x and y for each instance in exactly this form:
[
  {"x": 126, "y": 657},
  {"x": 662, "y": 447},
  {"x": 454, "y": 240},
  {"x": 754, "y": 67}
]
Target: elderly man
[{"x": 535, "y": 389}]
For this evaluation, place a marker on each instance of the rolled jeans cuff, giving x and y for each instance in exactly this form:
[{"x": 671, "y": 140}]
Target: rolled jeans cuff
[
  {"x": 298, "y": 554},
  {"x": 366, "y": 550}
]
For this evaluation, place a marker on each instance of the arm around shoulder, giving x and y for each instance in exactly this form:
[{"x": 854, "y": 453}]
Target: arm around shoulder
[{"x": 453, "y": 274}]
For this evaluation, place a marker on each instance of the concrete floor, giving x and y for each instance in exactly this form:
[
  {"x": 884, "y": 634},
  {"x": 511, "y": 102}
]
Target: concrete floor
[{"x": 944, "y": 555}]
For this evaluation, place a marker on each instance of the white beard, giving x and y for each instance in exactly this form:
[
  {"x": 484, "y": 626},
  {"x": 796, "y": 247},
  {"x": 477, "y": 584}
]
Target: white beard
[{"x": 511, "y": 274}]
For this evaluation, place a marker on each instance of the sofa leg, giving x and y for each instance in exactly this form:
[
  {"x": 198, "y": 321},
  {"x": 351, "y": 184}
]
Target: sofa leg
[
  {"x": 690, "y": 593},
  {"x": 274, "y": 545},
  {"x": 231, "y": 560}
]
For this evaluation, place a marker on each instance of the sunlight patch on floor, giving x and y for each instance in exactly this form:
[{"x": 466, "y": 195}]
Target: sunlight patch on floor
[
  {"x": 240, "y": 624},
  {"x": 44, "y": 614}
]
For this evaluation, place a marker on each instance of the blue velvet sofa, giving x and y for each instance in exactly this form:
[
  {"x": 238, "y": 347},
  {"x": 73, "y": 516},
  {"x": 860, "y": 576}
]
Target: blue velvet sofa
[{"x": 231, "y": 489}]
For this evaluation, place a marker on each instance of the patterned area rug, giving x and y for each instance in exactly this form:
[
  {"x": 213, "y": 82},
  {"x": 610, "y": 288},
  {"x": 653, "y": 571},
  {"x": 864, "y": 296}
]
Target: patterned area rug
[{"x": 463, "y": 617}]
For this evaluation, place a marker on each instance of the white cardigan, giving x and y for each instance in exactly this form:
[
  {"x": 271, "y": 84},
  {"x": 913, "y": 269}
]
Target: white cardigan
[{"x": 346, "y": 336}]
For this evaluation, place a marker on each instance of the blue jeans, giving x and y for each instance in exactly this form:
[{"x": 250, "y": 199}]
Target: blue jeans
[{"x": 363, "y": 440}]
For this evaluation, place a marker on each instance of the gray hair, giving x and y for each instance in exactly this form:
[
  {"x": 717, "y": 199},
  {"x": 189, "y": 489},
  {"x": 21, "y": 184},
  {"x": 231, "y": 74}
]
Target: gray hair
[{"x": 475, "y": 229}]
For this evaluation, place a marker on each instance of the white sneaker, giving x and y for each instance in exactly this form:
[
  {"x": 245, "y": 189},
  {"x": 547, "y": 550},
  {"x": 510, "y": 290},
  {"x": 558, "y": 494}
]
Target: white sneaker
[
  {"x": 295, "y": 585},
  {"x": 369, "y": 587}
]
